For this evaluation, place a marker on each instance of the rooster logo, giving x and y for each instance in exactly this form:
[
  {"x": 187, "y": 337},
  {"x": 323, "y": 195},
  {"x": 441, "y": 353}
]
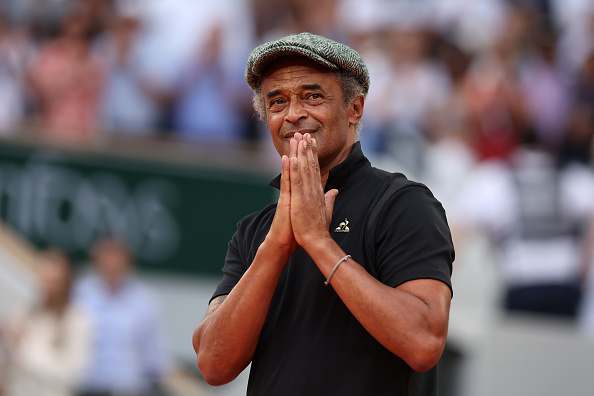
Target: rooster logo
[{"x": 343, "y": 226}]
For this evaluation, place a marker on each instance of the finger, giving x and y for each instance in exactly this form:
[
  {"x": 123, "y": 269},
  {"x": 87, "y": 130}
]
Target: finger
[
  {"x": 304, "y": 164},
  {"x": 284, "y": 199},
  {"x": 281, "y": 231},
  {"x": 285, "y": 186},
  {"x": 314, "y": 149},
  {"x": 294, "y": 177},
  {"x": 312, "y": 157},
  {"x": 297, "y": 137},
  {"x": 293, "y": 170},
  {"x": 293, "y": 143},
  {"x": 329, "y": 199},
  {"x": 313, "y": 164}
]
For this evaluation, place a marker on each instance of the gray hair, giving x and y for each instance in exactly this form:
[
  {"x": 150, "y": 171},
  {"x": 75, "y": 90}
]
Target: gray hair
[{"x": 351, "y": 89}]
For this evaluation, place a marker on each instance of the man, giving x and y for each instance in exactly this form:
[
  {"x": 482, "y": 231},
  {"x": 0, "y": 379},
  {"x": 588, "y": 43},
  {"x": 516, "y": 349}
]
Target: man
[
  {"x": 129, "y": 356},
  {"x": 315, "y": 308}
]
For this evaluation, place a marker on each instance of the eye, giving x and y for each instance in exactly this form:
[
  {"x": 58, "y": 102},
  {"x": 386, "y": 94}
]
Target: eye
[
  {"x": 314, "y": 98},
  {"x": 276, "y": 104}
]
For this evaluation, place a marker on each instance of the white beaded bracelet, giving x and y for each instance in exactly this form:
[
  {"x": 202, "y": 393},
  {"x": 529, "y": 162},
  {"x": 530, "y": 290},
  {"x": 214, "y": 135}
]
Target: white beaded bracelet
[{"x": 334, "y": 269}]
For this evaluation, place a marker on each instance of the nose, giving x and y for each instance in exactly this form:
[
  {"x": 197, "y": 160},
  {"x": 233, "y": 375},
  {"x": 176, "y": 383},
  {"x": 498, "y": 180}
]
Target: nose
[{"x": 295, "y": 111}]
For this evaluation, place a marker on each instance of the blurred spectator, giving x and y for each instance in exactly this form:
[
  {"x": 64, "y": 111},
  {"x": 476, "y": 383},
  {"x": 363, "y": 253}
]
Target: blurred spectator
[
  {"x": 275, "y": 19},
  {"x": 578, "y": 143},
  {"x": 372, "y": 44},
  {"x": 417, "y": 87},
  {"x": 491, "y": 91},
  {"x": 574, "y": 20},
  {"x": 545, "y": 91},
  {"x": 471, "y": 24},
  {"x": 320, "y": 16},
  {"x": 16, "y": 50},
  {"x": 131, "y": 100},
  {"x": 50, "y": 343},
  {"x": 449, "y": 159},
  {"x": 66, "y": 84},
  {"x": 96, "y": 13},
  {"x": 456, "y": 61},
  {"x": 272, "y": 19},
  {"x": 129, "y": 357},
  {"x": 536, "y": 216},
  {"x": 213, "y": 103}
]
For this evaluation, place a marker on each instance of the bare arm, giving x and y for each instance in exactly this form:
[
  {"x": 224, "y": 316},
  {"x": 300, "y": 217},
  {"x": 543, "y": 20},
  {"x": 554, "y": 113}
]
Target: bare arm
[
  {"x": 226, "y": 339},
  {"x": 411, "y": 320}
]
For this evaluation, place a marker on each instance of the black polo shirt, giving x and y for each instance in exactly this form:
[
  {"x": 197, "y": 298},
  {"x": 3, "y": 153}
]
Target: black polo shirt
[{"x": 310, "y": 343}]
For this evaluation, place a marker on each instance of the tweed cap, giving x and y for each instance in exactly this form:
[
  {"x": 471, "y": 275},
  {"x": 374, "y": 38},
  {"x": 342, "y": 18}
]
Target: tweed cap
[{"x": 326, "y": 52}]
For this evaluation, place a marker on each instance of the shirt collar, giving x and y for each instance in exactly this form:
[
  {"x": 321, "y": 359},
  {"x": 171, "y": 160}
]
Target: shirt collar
[{"x": 340, "y": 172}]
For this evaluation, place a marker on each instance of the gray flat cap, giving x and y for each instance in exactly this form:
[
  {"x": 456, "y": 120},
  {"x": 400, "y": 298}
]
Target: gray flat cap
[{"x": 326, "y": 52}]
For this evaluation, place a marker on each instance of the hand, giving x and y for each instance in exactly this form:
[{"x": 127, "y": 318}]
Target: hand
[
  {"x": 281, "y": 232},
  {"x": 311, "y": 209}
]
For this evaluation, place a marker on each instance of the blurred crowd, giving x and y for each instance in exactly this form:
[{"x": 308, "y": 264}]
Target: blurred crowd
[
  {"x": 98, "y": 334},
  {"x": 486, "y": 73}
]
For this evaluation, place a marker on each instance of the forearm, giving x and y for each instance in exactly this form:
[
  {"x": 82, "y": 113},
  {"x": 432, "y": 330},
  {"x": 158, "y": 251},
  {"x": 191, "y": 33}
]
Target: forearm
[
  {"x": 226, "y": 339},
  {"x": 409, "y": 320}
]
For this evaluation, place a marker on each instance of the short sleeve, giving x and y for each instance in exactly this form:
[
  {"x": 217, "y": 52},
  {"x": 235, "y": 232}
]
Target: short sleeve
[
  {"x": 235, "y": 265},
  {"x": 413, "y": 239}
]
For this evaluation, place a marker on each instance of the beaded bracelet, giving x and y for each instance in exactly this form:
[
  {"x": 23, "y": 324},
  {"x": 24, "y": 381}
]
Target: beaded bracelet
[{"x": 335, "y": 267}]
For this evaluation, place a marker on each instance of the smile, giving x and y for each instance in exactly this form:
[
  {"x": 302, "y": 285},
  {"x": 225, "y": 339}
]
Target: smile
[{"x": 290, "y": 134}]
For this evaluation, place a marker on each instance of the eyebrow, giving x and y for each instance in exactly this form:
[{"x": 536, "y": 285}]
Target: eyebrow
[
  {"x": 273, "y": 93},
  {"x": 311, "y": 87}
]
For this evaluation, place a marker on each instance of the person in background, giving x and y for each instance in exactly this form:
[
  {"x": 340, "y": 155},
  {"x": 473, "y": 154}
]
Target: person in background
[
  {"x": 132, "y": 100},
  {"x": 65, "y": 83},
  {"x": 16, "y": 50},
  {"x": 128, "y": 356},
  {"x": 49, "y": 344},
  {"x": 578, "y": 145},
  {"x": 545, "y": 91},
  {"x": 491, "y": 94},
  {"x": 417, "y": 88},
  {"x": 212, "y": 104}
]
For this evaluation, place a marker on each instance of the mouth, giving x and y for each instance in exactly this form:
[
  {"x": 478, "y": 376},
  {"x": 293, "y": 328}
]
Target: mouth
[{"x": 291, "y": 134}]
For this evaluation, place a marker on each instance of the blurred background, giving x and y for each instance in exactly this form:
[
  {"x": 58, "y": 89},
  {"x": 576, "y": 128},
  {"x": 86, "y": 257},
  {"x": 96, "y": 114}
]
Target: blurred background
[{"x": 129, "y": 150}]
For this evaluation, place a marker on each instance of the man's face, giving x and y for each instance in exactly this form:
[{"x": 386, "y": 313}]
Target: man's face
[
  {"x": 112, "y": 264},
  {"x": 302, "y": 96}
]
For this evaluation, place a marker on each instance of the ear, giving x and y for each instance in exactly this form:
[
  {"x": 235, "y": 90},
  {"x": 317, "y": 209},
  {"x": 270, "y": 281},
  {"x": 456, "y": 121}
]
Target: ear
[{"x": 356, "y": 110}]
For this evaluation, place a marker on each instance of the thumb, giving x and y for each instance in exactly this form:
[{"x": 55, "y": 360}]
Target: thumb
[{"x": 329, "y": 198}]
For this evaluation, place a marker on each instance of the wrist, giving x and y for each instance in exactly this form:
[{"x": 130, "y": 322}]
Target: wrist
[
  {"x": 320, "y": 246},
  {"x": 279, "y": 250}
]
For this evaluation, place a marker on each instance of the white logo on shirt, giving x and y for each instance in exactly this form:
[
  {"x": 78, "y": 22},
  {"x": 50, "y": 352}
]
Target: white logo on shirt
[{"x": 343, "y": 227}]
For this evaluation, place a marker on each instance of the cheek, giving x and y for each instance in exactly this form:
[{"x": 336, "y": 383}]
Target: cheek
[
  {"x": 275, "y": 122},
  {"x": 281, "y": 145}
]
